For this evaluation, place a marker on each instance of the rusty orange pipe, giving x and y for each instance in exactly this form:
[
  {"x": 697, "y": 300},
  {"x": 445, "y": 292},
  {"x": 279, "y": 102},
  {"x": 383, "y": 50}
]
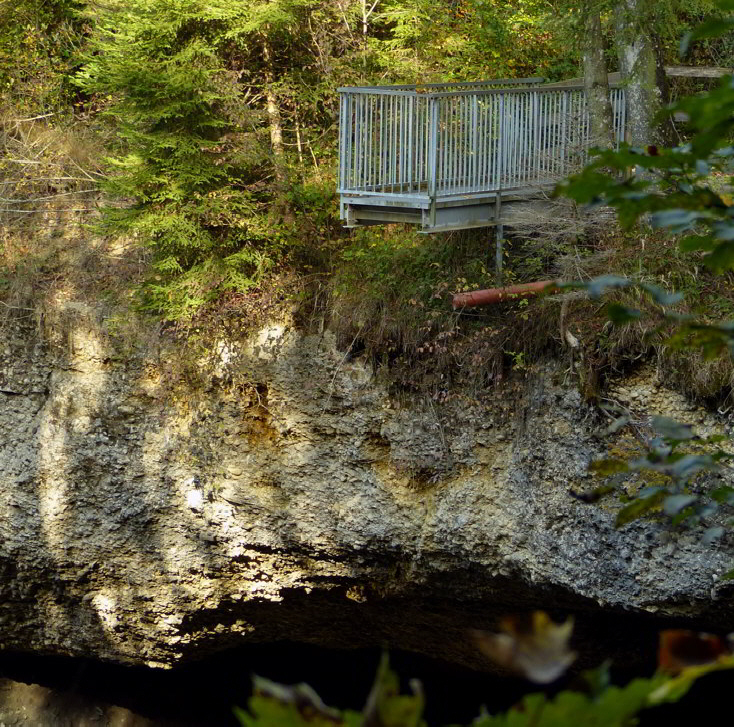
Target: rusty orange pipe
[{"x": 497, "y": 295}]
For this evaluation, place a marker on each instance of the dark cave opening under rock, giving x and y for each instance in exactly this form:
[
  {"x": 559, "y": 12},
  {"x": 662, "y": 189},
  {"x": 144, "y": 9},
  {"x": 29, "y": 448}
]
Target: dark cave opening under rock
[{"x": 201, "y": 694}]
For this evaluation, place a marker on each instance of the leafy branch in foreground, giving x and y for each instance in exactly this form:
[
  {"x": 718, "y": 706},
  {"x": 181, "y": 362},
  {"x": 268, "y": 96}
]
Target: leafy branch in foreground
[
  {"x": 684, "y": 658},
  {"x": 687, "y": 191}
]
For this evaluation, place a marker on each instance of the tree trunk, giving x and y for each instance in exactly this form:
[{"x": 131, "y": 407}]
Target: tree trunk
[
  {"x": 596, "y": 80},
  {"x": 638, "y": 67},
  {"x": 273, "y": 110}
]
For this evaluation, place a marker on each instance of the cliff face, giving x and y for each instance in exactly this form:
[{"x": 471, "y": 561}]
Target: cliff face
[{"x": 144, "y": 528}]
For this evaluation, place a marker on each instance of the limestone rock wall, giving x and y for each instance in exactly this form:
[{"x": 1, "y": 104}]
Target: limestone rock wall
[{"x": 142, "y": 527}]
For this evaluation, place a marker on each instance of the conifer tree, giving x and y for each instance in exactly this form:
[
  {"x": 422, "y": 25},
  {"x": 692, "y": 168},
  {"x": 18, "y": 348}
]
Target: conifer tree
[{"x": 185, "y": 185}]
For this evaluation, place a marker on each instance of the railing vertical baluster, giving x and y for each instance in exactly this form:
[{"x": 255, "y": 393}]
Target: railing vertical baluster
[
  {"x": 399, "y": 148},
  {"x": 522, "y": 119},
  {"x": 502, "y": 147},
  {"x": 455, "y": 178},
  {"x": 367, "y": 135},
  {"x": 480, "y": 139},
  {"x": 519, "y": 135},
  {"x": 345, "y": 127},
  {"x": 370, "y": 136},
  {"x": 405, "y": 150},
  {"x": 543, "y": 135},
  {"x": 471, "y": 133},
  {"x": 411, "y": 136},
  {"x": 484, "y": 139},
  {"x": 452, "y": 145},
  {"x": 446, "y": 108},
  {"x": 401, "y": 145},
  {"x": 442, "y": 148},
  {"x": 499, "y": 142},
  {"x": 525, "y": 118},
  {"x": 396, "y": 144},
  {"x": 381, "y": 160},
  {"x": 461, "y": 181},
  {"x": 445, "y": 145},
  {"x": 391, "y": 178},
  {"x": 468, "y": 147},
  {"x": 366, "y": 141},
  {"x": 360, "y": 107},
  {"x": 458, "y": 177},
  {"x": 385, "y": 160},
  {"x": 565, "y": 133},
  {"x": 459, "y": 135},
  {"x": 450, "y": 137},
  {"x": 554, "y": 137},
  {"x": 388, "y": 142},
  {"x": 374, "y": 140},
  {"x": 495, "y": 140},
  {"x": 448, "y": 140},
  {"x": 559, "y": 146},
  {"x": 537, "y": 121},
  {"x": 419, "y": 146},
  {"x": 363, "y": 141},
  {"x": 417, "y": 162},
  {"x": 532, "y": 136},
  {"x": 433, "y": 157},
  {"x": 423, "y": 171},
  {"x": 347, "y": 132},
  {"x": 514, "y": 141},
  {"x": 357, "y": 140},
  {"x": 512, "y": 167},
  {"x": 461, "y": 140},
  {"x": 516, "y": 138}
]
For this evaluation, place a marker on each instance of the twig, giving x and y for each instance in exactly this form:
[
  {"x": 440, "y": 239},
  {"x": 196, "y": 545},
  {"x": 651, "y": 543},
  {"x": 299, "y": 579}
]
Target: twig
[
  {"x": 34, "y": 118},
  {"x": 14, "y": 307},
  {"x": 14, "y": 211},
  {"x": 43, "y": 199}
]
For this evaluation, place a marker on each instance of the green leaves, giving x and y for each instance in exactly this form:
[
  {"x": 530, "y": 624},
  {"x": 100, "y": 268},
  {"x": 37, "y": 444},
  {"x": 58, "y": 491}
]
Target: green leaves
[
  {"x": 600, "y": 704},
  {"x": 639, "y": 508},
  {"x": 670, "y": 429},
  {"x": 386, "y": 707},
  {"x": 675, "y": 503},
  {"x": 277, "y": 705}
]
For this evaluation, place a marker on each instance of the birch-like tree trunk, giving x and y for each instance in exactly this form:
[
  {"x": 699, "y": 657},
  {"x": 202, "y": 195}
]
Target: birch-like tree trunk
[
  {"x": 273, "y": 110},
  {"x": 638, "y": 66},
  {"x": 596, "y": 79}
]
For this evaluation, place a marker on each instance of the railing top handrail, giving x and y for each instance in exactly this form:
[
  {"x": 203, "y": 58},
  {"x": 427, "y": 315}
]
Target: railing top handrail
[
  {"x": 419, "y": 87},
  {"x": 389, "y": 91},
  {"x": 503, "y": 91}
]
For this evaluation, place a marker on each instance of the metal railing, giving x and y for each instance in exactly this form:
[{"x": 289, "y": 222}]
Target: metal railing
[{"x": 443, "y": 140}]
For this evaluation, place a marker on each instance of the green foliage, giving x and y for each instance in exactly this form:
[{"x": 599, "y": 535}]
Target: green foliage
[
  {"x": 678, "y": 190},
  {"x": 389, "y": 288},
  {"x": 185, "y": 186},
  {"x": 600, "y": 704},
  {"x": 419, "y": 40},
  {"x": 39, "y": 43}
]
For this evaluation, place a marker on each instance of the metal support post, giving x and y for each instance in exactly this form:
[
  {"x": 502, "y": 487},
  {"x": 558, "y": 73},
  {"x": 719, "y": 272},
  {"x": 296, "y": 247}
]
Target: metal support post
[{"x": 499, "y": 234}]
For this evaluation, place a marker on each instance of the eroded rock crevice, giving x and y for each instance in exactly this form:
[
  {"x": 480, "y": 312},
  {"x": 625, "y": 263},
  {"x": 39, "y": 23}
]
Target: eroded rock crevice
[{"x": 143, "y": 528}]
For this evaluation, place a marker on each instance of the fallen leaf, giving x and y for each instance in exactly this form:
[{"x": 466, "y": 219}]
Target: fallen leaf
[
  {"x": 680, "y": 648},
  {"x": 533, "y": 646}
]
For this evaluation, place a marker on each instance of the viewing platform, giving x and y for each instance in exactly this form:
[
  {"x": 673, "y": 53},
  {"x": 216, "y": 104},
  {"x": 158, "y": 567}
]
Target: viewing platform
[{"x": 446, "y": 156}]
